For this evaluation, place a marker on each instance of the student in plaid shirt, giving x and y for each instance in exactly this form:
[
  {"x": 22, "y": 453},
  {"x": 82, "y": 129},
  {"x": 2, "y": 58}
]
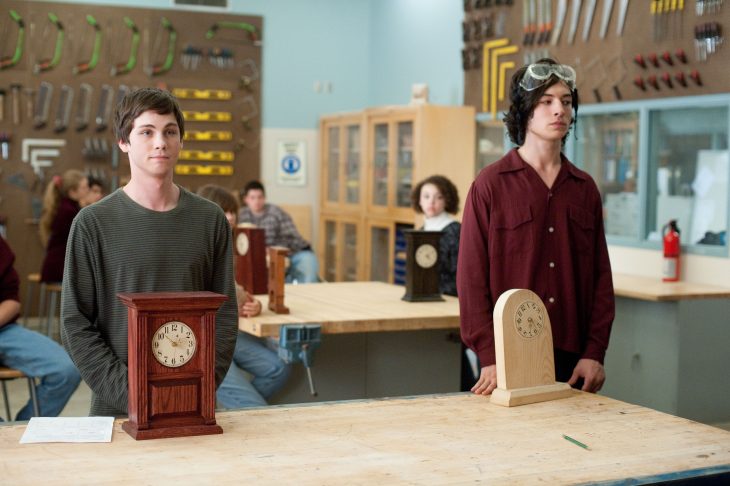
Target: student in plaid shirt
[{"x": 280, "y": 231}]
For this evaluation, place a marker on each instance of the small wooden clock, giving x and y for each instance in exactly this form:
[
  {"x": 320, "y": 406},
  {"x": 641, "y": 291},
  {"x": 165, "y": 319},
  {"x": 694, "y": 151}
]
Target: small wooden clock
[
  {"x": 523, "y": 342},
  {"x": 422, "y": 266},
  {"x": 250, "y": 251},
  {"x": 277, "y": 277},
  {"x": 171, "y": 363}
]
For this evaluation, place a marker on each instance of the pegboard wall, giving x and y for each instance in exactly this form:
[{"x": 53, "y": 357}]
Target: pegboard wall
[
  {"x": 621, "y": 49},
  {"x": 63, "y": 67}
]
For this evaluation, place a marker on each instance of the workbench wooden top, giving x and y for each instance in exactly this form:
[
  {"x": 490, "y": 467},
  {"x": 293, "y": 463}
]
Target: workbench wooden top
[
  {"x": 347, "y": 307},
  {"x": 448, "y": 439},
  {"x": 653, "y": 289}
]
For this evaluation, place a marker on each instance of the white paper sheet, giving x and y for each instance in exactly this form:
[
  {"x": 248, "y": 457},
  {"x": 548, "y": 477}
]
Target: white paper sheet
[{"x": 68, "y": 429}]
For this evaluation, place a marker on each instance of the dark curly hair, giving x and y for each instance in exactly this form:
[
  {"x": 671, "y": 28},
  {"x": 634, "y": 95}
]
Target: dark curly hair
[
  {"x": 523, "y": 103},
  {"x": 446, "y": 188}
]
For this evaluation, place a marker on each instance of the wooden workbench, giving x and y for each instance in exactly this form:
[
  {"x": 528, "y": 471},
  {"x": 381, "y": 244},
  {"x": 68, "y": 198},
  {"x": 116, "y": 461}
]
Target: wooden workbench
[
  {"x": 669, "y": 347},
  {"x": 653, "y": 289},
  {"x": 353, "y": 307},
  {"x": 374, "y": 344},
  {"x": 448, "y": 439}
]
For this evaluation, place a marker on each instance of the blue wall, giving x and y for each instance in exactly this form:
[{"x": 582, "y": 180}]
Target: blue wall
[{"x": 370, "y": 51}]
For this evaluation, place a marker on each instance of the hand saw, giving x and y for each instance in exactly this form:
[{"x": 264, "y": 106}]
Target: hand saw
[
  {"x": 588, "y": 20},
  {"x": 574, "y": 17},
  {"x": 607, "y": 8},
  {"x": 559, "y": 21}
]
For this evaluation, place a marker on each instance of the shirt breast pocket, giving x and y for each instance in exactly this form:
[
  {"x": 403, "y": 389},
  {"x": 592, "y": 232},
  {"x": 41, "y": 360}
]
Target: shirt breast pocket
[
  {"x": 582, "y": 229},
  {"x": 512, "y": 231}
]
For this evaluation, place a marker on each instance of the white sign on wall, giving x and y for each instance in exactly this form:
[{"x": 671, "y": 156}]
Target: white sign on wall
[{"x": 291, "y": 159}]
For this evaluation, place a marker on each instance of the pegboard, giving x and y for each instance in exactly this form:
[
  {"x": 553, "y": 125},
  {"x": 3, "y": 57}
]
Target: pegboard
[
  {"x": 607, "y": 67},
  {"x": 214, "y": 55}
]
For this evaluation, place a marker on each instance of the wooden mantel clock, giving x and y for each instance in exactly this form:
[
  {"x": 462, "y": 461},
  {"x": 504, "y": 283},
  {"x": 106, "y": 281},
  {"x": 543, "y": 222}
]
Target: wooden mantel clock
[
  {"x": 422, "y": 266},
  {"x": 250, "y": 250},
  {"x": 523, "y": 342},
  {"x": 171, "y": 363}
]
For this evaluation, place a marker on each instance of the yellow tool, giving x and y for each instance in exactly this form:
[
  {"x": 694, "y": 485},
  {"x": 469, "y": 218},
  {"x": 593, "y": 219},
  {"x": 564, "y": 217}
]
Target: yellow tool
[
  {"x": 194, "y": 169},
  {"x": 207, "y": 116},
  {"x": 209, "y": 156},
  {"x": 202, "y": 94},
  {"x": 485, "y": 68},
  {"x": 208, "y": 135}
]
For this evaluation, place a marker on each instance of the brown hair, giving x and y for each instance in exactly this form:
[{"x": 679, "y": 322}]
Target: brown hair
[
  {"x": 221, "y": 196},
  {"x": 58, "y": 188},
  {"x": 523, "y": 103},
  {"x": 446, "y": 188},
  {"x": 139, "y": 101}
]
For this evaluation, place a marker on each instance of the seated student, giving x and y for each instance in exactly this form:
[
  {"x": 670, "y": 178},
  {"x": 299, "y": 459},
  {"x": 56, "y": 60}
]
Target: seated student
[
  {"x": 151, "y": 235},
  {"x": 96, "y": 192},
  {"x": 61, "y": 204},
  {"x": 32, "y": 353},
  {"x": 438, "y": 199},
  {"x": 280, "y": 231},
  {"x": 251, "y": 353}
]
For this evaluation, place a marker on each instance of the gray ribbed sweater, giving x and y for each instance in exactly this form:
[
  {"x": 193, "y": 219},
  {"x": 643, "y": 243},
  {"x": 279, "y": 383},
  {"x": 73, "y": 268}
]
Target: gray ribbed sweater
[{"x": 115, "y": 246}]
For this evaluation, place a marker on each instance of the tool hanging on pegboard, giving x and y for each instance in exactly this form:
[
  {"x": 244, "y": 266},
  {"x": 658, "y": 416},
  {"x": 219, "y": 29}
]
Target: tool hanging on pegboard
[
  {"x": 48, "y": 64},
  {"x": 43, "y": 105},
  {"x": 63, "y": 114},
  {"x": 125, "y": 67},
  {"x": 10, "y": 61},
  {"x": 104, "y": 111},
  {"x": 207, "y": 116},
  {"x": 253, "y": 33},
  {"x": 207, "y": 156},
  {"x": 87, "y": 66},
  {"x": 250, "y": 74},
  {"x": 208, "y": 136},
  {"x": 83, "y": 106},
  {"x": 202, "y": 94},
  {"x": 154, "y": 68},
  {"x": 209, "y": 170}
]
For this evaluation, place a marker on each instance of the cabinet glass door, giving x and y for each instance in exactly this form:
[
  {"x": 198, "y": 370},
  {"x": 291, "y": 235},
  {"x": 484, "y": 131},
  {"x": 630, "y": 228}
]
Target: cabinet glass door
[
  {"x": 349, "y": 253},
  {"x": 352, "y": 165},
  {"x": 607, "y": 148},
  {"x": 380, "y": 165},
  {"x": 490, "y": 143},
  {"x": 333, "y": 164},
  {"x": 330, "y": 252},
  {"x": 404, "y": 167},
  {"x": 379, "y": 254}
]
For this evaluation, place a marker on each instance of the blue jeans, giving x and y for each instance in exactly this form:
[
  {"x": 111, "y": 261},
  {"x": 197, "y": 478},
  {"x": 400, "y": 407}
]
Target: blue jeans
[
  {"x": 269, "y": 374},
  {"x": 40, "y": 357},
  {"x": 303, "y": 267}
]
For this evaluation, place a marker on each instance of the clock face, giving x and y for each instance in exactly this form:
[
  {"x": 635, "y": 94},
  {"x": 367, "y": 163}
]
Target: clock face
[
  {"x": 242, "y": 243},
  {"x": 426, "y": 256},
  {"x": 174, "y": 344},
  {"x": 529, "y": 319}
]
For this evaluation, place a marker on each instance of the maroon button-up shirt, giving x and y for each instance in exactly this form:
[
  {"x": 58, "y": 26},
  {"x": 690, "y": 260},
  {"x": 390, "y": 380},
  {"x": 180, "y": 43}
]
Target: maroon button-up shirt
[{"x": 517, "y": 233}]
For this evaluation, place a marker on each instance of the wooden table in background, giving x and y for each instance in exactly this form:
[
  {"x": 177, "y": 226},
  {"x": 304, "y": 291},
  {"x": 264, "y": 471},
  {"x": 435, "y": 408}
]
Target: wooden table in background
[
  {"x": 374, "y": 344},
  {"x": 353, "y": 307},
  {"x": 447, "y": 439}
]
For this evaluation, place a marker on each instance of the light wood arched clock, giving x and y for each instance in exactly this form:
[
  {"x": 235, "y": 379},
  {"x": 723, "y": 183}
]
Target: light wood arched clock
[
  {"x": 523, "y": 343},
  {"x": 171, "y": 363}
]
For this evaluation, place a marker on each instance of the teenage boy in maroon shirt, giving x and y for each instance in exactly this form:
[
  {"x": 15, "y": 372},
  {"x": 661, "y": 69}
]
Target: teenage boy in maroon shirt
[{"x": 533, "y": 220}]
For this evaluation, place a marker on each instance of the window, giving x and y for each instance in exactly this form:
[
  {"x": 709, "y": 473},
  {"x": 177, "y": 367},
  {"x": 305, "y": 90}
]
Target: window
[{"x": 656, "y": 161}]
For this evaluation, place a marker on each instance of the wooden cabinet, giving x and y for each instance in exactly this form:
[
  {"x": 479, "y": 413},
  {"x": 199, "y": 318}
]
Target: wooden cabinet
[{"x": 371, "y": 161}]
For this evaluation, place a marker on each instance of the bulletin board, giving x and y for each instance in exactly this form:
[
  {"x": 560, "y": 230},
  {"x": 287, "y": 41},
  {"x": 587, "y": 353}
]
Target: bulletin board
[
  {"x": 661, "y": 49},
  {"x": 63, "y": 68}
]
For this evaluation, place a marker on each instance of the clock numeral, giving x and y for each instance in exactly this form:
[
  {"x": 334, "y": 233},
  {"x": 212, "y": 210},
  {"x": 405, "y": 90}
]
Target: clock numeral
[
  {"x": 174, "y": 327},
  {"x": 157, "y": 344},
  {"x": 160, "y": 336}
]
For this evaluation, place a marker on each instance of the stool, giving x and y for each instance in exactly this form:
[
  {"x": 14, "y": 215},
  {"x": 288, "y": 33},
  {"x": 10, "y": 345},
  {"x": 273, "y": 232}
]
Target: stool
[
  {"x": 12, "y": 374},
  {"x": 33, "y": 280},
  {"x": 52, "y": 291}
]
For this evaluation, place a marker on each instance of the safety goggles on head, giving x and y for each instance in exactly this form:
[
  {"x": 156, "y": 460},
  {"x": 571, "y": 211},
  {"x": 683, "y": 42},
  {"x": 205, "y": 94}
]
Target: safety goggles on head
[{"x": 538, "y": 74}]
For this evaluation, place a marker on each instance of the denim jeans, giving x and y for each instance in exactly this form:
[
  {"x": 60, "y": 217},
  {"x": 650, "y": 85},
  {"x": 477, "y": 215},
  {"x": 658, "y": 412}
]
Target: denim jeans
[
  {"x": 40, "y": 357},
  {"x": 254, "y": 357},
  {"x": 303, "y": 267}
]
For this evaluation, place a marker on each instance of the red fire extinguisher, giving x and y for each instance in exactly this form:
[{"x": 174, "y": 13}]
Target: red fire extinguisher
[{"x": 670, "y": 268}]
